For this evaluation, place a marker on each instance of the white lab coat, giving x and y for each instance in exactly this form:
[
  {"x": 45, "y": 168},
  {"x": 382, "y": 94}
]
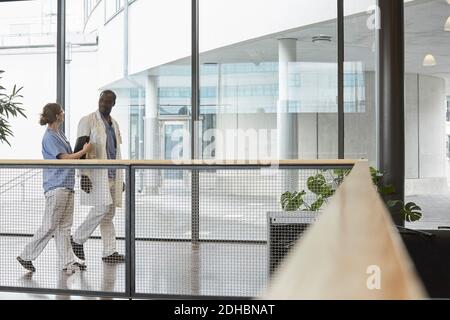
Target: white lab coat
[{"x": 93, "y": 126}]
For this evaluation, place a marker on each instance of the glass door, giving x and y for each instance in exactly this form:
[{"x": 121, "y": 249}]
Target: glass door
[{"x": 173, "y": 133}]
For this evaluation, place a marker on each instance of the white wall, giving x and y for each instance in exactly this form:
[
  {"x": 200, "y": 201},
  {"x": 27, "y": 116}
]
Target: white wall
[
  {"x": 83, "y": 85},
  {"x": 40, "y": 89},
  {"x": 425, "y": 109},
  {"x": 432, "y": 109},
  {"x": 37, "y": 74},
  {"x": 241, "y": 145},
  {"x": 447, "y": 87},
  {"x": 361, "y": 128},
  {"x": 160, "y": 31},
  {"x": 110, "y": 51},
  {"x": 411, "y": 126}
]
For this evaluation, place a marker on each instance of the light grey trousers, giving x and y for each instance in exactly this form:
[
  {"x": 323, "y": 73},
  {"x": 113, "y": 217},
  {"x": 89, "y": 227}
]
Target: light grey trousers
[
  {"x": 100, "y": 215},
  {"x": 57, "y": 221}
]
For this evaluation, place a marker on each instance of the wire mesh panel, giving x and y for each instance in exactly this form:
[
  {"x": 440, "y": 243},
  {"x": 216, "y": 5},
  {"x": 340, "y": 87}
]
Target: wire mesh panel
[
  {"x": 233, "y": 210},
  {"x": 223, "y": 251},
  {"x": 165, "y": 257},
  {"x": 198, "y": 231},
  {"x": 59, "y": 233}
]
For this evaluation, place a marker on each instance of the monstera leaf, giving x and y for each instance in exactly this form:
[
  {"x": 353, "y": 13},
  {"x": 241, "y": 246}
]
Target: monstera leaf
[
  {"x": 411, "y": 212},
  {"x": 318, "y": 185},
  {"x": 317, "y": 204},
  {"x": 292, "y": 201},
  {"x": 324, "y": 185},
  {"x": 340, "y": 174}
]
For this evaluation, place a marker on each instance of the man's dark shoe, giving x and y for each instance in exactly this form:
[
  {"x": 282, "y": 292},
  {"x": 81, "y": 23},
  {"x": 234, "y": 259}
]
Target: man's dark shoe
[
  {"x": 114, "y": 258},
  {"x": 77, "y": 249},
  {"x": 73, "y": 267},
  {"x": 80, "y": 266},
  {"x": 26, "y": 264}
]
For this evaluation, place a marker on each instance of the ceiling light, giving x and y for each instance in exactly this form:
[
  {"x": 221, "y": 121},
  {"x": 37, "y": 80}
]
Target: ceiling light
[
  {"x": 429, "y": 60},
  {"x": 447, "y": 24}
]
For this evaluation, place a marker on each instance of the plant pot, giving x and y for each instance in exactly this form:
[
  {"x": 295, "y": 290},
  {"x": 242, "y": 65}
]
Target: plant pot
[{"x": 284, "y": 229}]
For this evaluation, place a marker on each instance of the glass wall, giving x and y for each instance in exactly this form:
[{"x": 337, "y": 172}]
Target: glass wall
[
  {"x": 268, "y": 81},
  {"x": 268, "y": 91},
  {"x": 427, "y": 67},
  {"x": 360, "y": 24},
  {"x": 28, "y": 42},
  {"x": 150, "y": 82},
  {"x": 274, "y": 80}
]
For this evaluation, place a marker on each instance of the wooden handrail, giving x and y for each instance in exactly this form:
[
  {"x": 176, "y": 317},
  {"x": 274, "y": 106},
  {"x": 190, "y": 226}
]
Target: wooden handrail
[{"x": 205, "y": 162}]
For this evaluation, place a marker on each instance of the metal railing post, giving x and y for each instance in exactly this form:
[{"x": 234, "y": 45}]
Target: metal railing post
[
  {"x": 195, "y": 114},
  {"x": 61, "y": 56},
  {"x": 130, "y": 261}
]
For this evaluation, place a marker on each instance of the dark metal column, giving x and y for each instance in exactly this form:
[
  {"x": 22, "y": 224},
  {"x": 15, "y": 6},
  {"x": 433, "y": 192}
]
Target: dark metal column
[
  {"x": 195, "y": 102},
  {"x": 195, "y": 64},
  {"x": 61, "y": 55},
  {"x": 341, "y": 59},
  {"x": 391, "y": 50}
]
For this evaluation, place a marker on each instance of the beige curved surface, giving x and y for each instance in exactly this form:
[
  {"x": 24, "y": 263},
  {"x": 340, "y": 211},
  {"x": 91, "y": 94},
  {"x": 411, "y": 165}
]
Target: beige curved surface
[{"x": 353, "y": 252}]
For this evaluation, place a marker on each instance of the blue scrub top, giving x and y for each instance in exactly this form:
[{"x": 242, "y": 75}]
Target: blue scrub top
[{"x": 53, "y": 145}]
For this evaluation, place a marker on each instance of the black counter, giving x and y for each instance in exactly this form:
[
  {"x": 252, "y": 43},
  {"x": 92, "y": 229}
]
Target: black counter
[{"x": 431, "y": 256}]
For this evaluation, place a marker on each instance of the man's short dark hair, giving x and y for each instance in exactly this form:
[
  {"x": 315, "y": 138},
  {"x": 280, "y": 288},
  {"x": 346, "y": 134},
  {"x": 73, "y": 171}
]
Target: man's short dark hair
[{"x": 108, "y": 92}]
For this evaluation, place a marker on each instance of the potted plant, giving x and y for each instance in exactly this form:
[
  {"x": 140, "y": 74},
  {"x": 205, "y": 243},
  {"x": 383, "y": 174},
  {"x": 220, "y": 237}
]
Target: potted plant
[
  {"x": 9, "y": 107},
  {"x": 324, "y": 185},
  {"x": 410, "y": 211},
  {"x": 321, "y": 187},
  {"x": 302, "y": 208}
]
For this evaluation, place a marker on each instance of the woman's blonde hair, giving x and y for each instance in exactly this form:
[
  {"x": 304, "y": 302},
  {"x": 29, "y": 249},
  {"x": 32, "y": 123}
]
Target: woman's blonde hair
[{"x": 49, "y": 113}]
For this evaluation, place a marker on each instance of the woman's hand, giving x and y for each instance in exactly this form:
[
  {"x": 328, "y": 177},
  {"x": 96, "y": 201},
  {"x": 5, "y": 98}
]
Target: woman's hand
[{"x": 87, "y": 148}]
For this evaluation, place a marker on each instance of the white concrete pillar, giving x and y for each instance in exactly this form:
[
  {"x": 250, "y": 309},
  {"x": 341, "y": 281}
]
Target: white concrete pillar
[
  {"x": 287, "y": 123},
  {"x": 151, "y": 119},
  {"x": 151, "y": 131}
]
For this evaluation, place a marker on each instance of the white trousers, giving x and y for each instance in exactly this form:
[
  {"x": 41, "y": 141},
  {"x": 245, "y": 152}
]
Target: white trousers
[
  {"x": 57, "y": 221},
  {"x": 100, "y": 215}
]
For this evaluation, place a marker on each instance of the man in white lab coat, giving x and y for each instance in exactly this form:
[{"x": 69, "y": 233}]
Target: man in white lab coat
[{"x": 102, "y": 188}]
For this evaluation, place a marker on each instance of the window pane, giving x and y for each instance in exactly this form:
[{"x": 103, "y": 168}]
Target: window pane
[
  {"x": 360, "y": 80},
  {"x": 28, "y": 57},
  {"x": 268, "y": 91},
  {"x": 268, "y": 73},
  {"x": 157, "y": 88},
  {"x": 427, "y": 67}
]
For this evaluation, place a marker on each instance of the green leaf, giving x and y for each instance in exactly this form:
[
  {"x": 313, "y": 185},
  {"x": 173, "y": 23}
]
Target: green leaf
[
  {"x": 292, "y": 201},
  {"x": 9, "y": 107},
  {"x": 317, "y": 204},
  {"x": 411, "y": 212},
  {"x": 394, "y": 203},
  {"x": 315, "y": 183},
  {"x": 386, "y": 190},
  {"x": 376, "y": 175}
]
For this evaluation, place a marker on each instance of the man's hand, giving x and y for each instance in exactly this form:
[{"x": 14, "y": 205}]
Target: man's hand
[{"x": 86, "y": 184}]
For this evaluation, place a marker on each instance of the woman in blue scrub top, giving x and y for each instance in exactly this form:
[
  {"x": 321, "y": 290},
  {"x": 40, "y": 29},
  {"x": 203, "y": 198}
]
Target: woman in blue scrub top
[{"x": 59, "y": 195}]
